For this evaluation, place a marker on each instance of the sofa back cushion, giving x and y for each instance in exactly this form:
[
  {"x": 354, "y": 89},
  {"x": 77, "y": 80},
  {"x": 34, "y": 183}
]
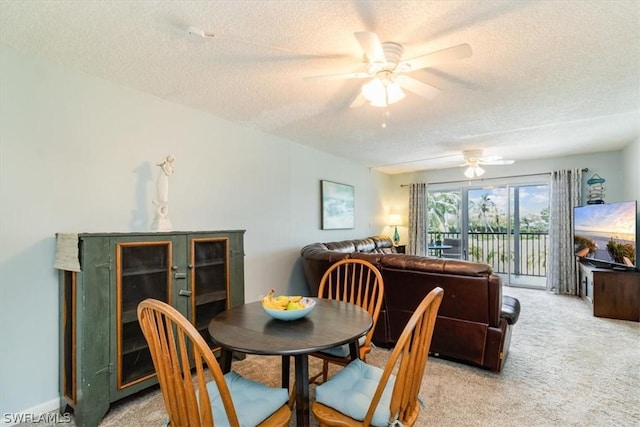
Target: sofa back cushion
[
  {"x": 373, "y": 257},
  {"x": 376, "y": 244},
  {"x": 438, "y": 265},
  {"x": 316, "y": 259},
  {"x": 364, "y": 245},
  {"x": 467, "y": 298},
  {"x": 346, "y": 246},
  {"x": 384, "y": 244}
]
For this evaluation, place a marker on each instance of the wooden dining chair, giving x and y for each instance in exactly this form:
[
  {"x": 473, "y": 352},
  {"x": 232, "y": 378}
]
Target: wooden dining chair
[
  {"x": 191, "y": 400},
  {"x": 359, "y": 282},
  {"x": 364, "y": 395}
]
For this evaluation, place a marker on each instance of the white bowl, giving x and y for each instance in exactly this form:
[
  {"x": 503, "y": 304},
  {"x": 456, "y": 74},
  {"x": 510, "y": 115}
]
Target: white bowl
[{"x": 309, "y": 304}]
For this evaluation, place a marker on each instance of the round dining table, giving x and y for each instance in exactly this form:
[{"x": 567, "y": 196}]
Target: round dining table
[{"x": 249, "y": 329}]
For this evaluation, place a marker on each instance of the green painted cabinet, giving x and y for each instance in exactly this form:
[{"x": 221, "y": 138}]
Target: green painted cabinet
[{"x": 104, "y": 356}]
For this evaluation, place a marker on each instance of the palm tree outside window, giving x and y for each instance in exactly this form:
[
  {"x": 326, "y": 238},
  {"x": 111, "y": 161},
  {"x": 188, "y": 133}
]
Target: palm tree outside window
[{"x": 505, "y": 226}]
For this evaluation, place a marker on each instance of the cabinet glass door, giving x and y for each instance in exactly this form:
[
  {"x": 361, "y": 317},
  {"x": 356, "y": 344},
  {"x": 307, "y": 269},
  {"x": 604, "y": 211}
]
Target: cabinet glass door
[
  {"x": 143, "y": 271},
  {"x": 209, "y": 281},
  {"x": 68, "y": 376}
]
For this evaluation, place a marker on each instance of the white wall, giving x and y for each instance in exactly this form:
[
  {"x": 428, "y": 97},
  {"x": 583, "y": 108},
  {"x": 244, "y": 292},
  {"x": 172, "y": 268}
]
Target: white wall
[
  {"x": 631, "y": 171},
  {"x": 631, "y": 183},
  {"x": 78, "y": 154}
]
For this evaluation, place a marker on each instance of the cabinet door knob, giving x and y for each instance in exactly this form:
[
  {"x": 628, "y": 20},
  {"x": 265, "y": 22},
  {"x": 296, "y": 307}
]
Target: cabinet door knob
[
  {"x": 180, "y": 276},
  {"x": 184, "y": 293},
  {"x": 174, "y": 267}
]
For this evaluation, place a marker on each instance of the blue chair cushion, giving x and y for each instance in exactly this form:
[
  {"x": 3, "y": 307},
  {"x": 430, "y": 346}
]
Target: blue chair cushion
[
  {"x": 254, "y": 401},
  {"x": 351, "y": 390},
  {"x": 343, "y": 350}
]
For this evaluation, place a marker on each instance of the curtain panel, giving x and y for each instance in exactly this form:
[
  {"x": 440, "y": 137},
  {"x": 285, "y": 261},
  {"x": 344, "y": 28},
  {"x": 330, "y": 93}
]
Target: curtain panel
[
  {"x": 417, "y": 219},
  {"x": 566, "y": 190}
]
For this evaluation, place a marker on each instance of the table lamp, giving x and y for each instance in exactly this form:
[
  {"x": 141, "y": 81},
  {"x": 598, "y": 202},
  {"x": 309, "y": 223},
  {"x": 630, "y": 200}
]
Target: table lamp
[{"x": 395, "y": 220}]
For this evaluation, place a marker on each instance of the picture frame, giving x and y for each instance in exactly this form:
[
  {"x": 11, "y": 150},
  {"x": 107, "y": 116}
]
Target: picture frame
[{"x": 338, "y": 205}]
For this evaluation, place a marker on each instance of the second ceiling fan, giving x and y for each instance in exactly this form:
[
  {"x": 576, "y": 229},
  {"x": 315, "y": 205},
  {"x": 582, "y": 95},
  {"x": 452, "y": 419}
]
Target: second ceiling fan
[
  {"x": 474, "y": 158},
  {"x": 387, "y": 70}
]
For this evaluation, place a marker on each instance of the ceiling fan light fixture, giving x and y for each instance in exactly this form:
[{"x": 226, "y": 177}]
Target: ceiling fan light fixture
[
  {"x": 469, "y": 172},
  {"x": 394, "y": 92},
  {"x": 474, "y": 170},
  {"x": 381, "y": 93},
  {"x": 373, "y": 90}
]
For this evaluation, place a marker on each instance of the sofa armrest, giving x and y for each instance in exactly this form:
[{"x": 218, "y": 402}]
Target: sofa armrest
[{"x": 510, "y": 309}]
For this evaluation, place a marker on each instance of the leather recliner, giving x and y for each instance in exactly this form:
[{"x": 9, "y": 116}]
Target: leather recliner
[{"x": 474, "y": 321}]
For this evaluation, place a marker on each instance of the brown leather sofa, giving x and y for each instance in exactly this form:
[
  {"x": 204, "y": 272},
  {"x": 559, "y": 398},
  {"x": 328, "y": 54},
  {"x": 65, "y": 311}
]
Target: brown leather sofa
[{"x": 474, "y": 321}]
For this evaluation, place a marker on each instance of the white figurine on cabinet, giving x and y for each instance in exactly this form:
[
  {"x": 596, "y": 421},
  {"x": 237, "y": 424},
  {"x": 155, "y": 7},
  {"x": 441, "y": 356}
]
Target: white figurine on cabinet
[{"x": 161, "y": 221}]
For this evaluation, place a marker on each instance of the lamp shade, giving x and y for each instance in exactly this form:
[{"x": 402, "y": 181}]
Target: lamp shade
[{"x": 395, "y": 219}]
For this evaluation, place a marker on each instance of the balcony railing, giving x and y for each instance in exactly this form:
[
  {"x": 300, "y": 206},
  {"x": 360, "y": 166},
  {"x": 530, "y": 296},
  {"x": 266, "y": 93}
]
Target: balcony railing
[{"x": 524, "y": 253}]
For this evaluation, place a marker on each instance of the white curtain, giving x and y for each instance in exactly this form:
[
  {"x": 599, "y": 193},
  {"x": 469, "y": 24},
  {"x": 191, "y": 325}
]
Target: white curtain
[
  {"x": 417, "y": 219},
  {"x": 566, "y": 187}
]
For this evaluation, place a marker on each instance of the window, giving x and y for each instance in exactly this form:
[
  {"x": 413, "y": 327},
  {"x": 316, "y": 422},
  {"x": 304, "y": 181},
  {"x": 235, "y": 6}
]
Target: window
[{"x": 506, "y": 226}]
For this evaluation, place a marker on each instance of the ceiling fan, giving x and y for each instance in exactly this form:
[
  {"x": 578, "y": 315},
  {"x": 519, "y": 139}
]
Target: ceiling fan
[
  {"x": 474, "y": 158},
  {"x": 386, "y": 70}
]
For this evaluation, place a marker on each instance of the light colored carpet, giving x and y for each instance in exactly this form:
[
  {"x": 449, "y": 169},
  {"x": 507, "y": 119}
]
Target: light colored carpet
[{"x": 564, "y": 368}]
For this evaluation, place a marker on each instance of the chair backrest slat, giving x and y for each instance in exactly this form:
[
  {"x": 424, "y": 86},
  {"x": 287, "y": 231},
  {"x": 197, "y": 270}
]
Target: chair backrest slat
[
  {"x": 172, "y": 339},
  {"x": 410, "y": 354},
  {"x": 356, "y": 281}
]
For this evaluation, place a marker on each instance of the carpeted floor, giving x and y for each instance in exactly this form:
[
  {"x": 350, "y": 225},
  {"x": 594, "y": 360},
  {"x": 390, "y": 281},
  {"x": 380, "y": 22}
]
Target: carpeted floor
[{"x": 565, "y": 368}]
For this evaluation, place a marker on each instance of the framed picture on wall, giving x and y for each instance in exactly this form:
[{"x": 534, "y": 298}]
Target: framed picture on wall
[{"x": 338, "y": 210}]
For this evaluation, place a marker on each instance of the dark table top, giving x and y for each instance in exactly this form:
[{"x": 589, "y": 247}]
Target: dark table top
[{"x": 249, "y": 329}]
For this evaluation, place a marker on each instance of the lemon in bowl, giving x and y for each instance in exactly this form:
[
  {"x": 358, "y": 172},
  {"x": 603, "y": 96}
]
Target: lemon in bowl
[{"x": 285, "y": 307}]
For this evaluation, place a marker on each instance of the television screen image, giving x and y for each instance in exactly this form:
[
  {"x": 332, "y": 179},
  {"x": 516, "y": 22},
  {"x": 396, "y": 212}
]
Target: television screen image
[{"x": 606, "y": 234}]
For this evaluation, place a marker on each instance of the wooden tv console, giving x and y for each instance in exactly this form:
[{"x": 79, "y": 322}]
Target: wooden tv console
[{"x": 613, "y": 294}]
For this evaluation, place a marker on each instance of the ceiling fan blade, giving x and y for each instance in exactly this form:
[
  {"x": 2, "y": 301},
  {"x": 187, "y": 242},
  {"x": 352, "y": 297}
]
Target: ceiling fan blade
[
  {"x": 372, "y": 47},
  {"x": 338, "y": 76},
  {"x": 359, "y": 101},
  {"x": 417, "y": 87},
  {"x": 496, "y": 162},
  {"x": 430, "y": 59}
]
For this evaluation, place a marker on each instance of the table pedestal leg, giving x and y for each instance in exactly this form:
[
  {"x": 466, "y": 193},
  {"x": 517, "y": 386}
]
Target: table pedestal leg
[
  {"x": 302, "y": 389},
  {"x": 354, "y": 352},
  {"x": 286, "y": 361},
  {"x": 225, "y": 360}
]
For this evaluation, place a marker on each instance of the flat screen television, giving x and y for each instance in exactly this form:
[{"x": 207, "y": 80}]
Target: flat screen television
[{"x": 605, "y": 234}]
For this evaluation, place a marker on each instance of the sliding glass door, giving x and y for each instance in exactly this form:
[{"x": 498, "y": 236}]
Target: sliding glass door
[
  {"x": 488, "y": 227},
  {"x": 505, "y": 226},
  {"x": 446, "y": 224},
  {"x": 529, "y": 230}
]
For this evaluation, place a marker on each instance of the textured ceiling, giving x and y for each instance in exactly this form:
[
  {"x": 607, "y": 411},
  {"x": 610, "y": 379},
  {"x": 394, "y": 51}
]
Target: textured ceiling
[{"x": 547, "y": 78}]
